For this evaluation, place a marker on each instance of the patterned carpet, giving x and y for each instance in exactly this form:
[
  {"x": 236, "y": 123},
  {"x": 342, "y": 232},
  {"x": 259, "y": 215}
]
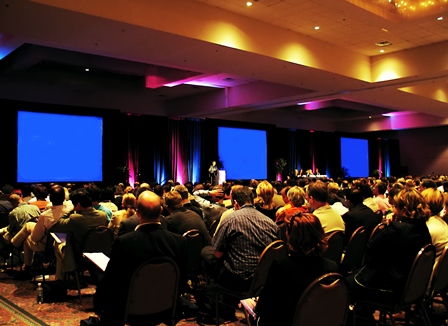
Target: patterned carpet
[{"x": 18, "y": 306}]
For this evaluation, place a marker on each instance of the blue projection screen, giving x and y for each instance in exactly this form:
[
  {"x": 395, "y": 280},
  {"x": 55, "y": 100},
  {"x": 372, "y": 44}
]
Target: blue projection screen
[
  {"x": 243, "y": 153},
  {"x": 58, "y": 147},
  {"x": 355, "y": 156}
]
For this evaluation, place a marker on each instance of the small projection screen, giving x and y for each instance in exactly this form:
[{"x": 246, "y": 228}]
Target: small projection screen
[
  {"x": 355, "y": 156},
  {"x": 58, "y": 147},
  {"x": 243, "y": 153}
]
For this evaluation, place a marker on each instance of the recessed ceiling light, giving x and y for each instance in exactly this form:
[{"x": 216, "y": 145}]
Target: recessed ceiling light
[
  {"x": 381, "y": 51},
  {"x": 370, "y": 117},
  {"x": 249, "y": 4},
  {"x": 87, "y": 69},
  {"x": 316, "y": 28},
  {"x": 439, "y": 18}
]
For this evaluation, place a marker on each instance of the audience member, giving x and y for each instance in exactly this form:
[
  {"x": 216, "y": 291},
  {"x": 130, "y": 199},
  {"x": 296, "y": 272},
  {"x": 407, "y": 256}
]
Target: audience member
[
  {"x": 336, "y": 203},
  {"x": 437, "y": 227},
  {"x": 367, "y": 194},
  {"x": 296, "y": 199},
  {"x": 290, "y": 275},
  {"x": 40, "y": 199},
  {"x": 263, "y": 202},
  {"x": 76, "y": 225},
  {"x": 95, "y": 195},
  {"x": 378, "y": 191},
  {"x": 33, "y": 235},
  {"x": 129, "y": 205},
  {"x": 186, "y": 202},
  {"x": 392, "y": 252},
  {"x": 150, "y": 240},
  {"x": 317, "y": 196},
  {"x": 107, "y": 198}
]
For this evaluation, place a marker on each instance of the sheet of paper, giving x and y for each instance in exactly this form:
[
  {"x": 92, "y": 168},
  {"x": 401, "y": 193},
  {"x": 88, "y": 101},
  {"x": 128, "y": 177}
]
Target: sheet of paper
[
  {"x": 249, "y": 305},
  {"x": 98, "y": 258}
]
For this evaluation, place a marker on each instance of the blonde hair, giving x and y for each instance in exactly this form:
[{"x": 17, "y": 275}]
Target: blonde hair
[
  {"x": 129, "y": 203},
  {"x": 265, "y": 193},
  {"x": 434, "y": 199},
  {"x": 413, "y": 204}
]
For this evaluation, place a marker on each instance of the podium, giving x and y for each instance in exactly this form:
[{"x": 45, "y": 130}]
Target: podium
[{"x": 221, "y": 176}]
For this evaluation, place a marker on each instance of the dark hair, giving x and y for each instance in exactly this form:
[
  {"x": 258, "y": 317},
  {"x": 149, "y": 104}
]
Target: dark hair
[
  {"x": 40, "y": 191},
  {"x": 81, "y": 196},
  {"x": 355, "y": 196},
  {"x": 57, "y": 195},
  {"x": 366, "y": 191},
  {"x": 94, "y": 192},
  {"x": 306, "y": 237},
  {"x": 381, "y": 187}
]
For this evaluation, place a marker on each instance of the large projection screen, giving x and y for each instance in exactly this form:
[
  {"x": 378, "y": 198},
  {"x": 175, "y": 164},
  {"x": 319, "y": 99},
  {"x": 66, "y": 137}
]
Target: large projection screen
[
  {"x": 243, "y": 153},
  {"x": 58, "y": 147},
  {"x": 355, "y": 156}
]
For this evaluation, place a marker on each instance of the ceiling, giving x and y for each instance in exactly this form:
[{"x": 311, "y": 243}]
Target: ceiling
[{"x": 267, "y": 63}]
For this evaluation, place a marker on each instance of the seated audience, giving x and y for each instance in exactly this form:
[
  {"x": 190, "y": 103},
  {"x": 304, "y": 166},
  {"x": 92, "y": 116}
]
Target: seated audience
[
  {"x": 290, "y": 275},
  {"x": 20, "y": 214},
  {"x": 129, "y": 251},
  {"x": 379, "y": 190},
  {"x": 367, "y": 193},
  {"x": 437, "y": 227},
  {"x": 186, "y": 202},
  {"x": 33, "y": 235},
  {"x": 76, "y": 225},
  {"x": 40, "y": 199},
  {"x": 336, "y": 203},
  {"x": 129, "y": 205},
  {"x": 392, "y": 252},
  {"x": 95, "y": 194},
  {"x": 107, "y": 198},
  {"x": 317, "y": 196},
  {"x": 264, "y": 203},
  {"x": 296, "y": 198}
]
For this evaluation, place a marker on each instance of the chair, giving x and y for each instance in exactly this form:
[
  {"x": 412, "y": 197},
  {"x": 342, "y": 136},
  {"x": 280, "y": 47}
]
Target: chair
[
  {"x": 282, "y": 226},
  {"x": 354, "y": 254},
  {"x": 438, "y": 283},
  {"x": 414, "y": 290},
  {"x": 43, "y": 257},
  {"x": 195, "y": 269},
  {"x": 377, "y": 230},
  {"x": 153, "y": 292},
  {"x": 213, "y": 226},
  {"x": 274, "y": 250},
  {"x": 98, "y": 239},
  {"x": 335, "y": 246},
  {"x": 325, "y": 302}
]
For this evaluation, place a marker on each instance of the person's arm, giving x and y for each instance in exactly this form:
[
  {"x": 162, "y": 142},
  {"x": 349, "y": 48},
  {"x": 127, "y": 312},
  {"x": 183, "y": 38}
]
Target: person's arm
[{"x": 39, "y": 229}]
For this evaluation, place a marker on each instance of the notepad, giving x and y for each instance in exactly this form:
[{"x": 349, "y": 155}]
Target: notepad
[
  {"x": 59, "y": 237},
  {"x": 98, "y": 258}
]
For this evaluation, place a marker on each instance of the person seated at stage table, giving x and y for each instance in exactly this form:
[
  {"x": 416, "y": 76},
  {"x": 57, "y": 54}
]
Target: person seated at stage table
[
  {"x": 149, "y": 240},
  {"x": 392, "y": 252},
  {"x": 296, "y": 197},
  {"x": 263, "y": 202},
  {"x": 290, "y": 275},
  {"x": 437, "y": 227},
  {"x": 317, "y": 196}
]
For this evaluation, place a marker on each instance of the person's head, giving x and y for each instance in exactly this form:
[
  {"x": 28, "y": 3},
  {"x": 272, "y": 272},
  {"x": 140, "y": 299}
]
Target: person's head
[
  {"x": 173, "y": 200},
  {"x": 317, "y": 194},
  {"x": 380, "y": 188},
  {"x": 57, "y": 195},
  {"x": 129, "y": 201},
  {"x": 81, "y": 199},
  {"x": 434, "y": 199},
  {"x": 354, "y": 197},
  {"x": 94, "y": 192},
  {"x": 306, "y": 236},
  {"x": 366, "y": 191},
  {"x": 410, "y": 204},
  {"x": 332, "y": 187},
  {"x": 240, "y": 196},
  {"x": 15, "y": 200},
  {"x": 265, "y": 193},
  {"x": 214, "y": 163},
  {"x": 41, "y": 192},
  {"x": 182, "y": 190},
  {"x": 148, "y": 207},
  {"x": 427, "y": 183},
  {"x": 107, "y": 194},
  {"x": 296, "y": 196}
]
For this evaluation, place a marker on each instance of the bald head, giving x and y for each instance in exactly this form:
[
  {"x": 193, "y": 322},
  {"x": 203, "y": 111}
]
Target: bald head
[
  {"x": 148, "y": 207},
  {"x": 15, "y": 200}
]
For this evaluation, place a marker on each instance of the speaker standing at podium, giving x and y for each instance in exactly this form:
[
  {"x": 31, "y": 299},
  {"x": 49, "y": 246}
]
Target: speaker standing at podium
[{"x": 213, "y": 173}]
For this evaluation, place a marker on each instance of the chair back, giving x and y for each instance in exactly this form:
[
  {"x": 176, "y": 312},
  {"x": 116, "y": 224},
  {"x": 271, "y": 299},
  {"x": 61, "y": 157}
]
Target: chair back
[
  {"x": 419, "y": 275},
  {"x": 377, "y": 230},
  {"x": 275, "y": 249},
  {"x": 98, "y": 239},
  {"x": 335, "y": 246},
  {"x": 439, "y": 279},
  {"x": 195, "y": 242},
  {"x": 354, "y": 254},
  {"x": 282, "y": 226},
  {"x": 324, "y": 302},
  {"x": 153, "y": 288},
  {"x": 213, "y": 226}
]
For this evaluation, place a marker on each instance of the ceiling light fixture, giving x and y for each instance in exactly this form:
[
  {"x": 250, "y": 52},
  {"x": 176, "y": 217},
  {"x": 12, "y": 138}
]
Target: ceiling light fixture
[
  {"x": 249, "y": 4},
  {"x": 316, "y": 28},
  {"x": 439, "y": 18},
  {"x": 383, "y": 43},
  {"x": 87, "y": 69}
]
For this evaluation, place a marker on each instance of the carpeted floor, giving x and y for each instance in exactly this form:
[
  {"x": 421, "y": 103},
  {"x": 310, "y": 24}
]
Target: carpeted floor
[{"x": 18, "y": 306}]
